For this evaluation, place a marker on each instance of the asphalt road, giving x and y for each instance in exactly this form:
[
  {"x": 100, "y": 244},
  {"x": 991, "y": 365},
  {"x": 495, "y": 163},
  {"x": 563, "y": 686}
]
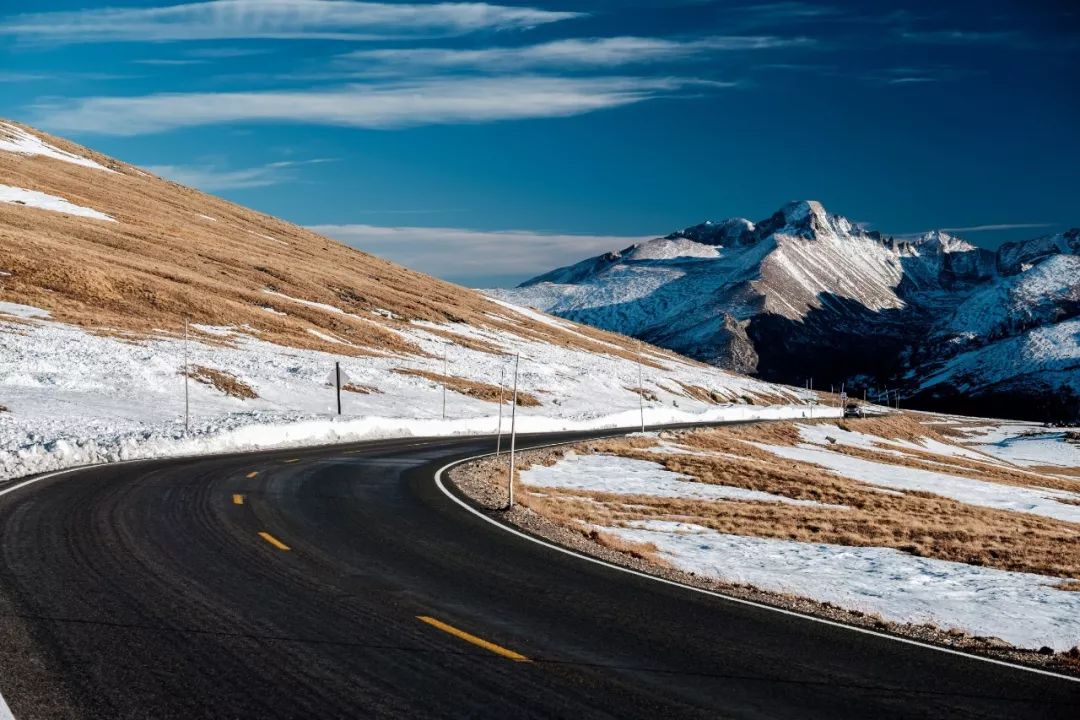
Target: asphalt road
[{"x": 146, "y": 590}]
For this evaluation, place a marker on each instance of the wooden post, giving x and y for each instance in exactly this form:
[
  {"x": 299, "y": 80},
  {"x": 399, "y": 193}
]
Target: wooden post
[{"x": 337, "y": 381}]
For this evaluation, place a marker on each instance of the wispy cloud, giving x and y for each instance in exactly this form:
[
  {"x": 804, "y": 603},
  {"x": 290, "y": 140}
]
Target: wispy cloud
[
  {"x": 211, "y": 177},
  {"x": 1002, "y": 226},
  {"x": 392, "y": 105},
  {"x": 282, "y": 19},
  {"x": 18, "y": 77},
  {"x": 475, "y": 253},
  {"x": 572, "y": 53},
  {"x": 225, "y": 53},
  {"x": 961, "y": 37},
  {"x": 978, "y": 229},
  {"x": 167, "y": 62},
  {"x": 783, "y": 13}
]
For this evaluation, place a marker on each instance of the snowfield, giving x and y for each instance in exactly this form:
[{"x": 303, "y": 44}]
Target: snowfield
[
  {"x": 74, "y": 397},
  {"x": 1021, "y": 608},
  {"x": 626, "y": 476}
]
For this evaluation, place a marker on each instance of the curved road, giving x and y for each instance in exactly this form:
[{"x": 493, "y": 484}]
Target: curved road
[{"x": 146, "y": 590}]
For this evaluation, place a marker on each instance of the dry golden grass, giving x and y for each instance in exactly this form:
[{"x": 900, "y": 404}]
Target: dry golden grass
[
  {"x": 643, "y": 392},
  {"x": 1056, "y": 470},
  {"x": 162, "y": 263},
  {"x": 222, "y": 382},
  {"x": 361, "y": 389},
  {"x": 704, "y": 394},
  {"x": 472, "y": 388},
  {"x": 922, "y": 524},
  {"x": 641, "y": 551},
  {"x": 963, "y": 467},
  {"x": 895, "y": 427}
]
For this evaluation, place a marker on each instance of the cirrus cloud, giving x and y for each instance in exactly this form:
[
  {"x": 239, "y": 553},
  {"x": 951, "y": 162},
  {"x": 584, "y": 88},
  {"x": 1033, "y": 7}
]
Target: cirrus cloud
[
  {"x": 570, "y": 53},
  {"x": 380, "y": 106},
  {"x": 281, "y": 19}
]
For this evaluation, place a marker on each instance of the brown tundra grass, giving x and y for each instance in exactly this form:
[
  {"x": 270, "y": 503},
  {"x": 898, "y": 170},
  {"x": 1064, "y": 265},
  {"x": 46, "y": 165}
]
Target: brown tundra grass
[
  {"x": 473, "y": 388},
  {"x": 222, "y": 382},
  {"x": 361, "y": 389},
  {"x": 919, "y": 523}
]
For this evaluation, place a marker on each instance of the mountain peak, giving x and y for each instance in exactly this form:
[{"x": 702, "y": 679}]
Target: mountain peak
[
  {"x": 942, "y": 242},
  {"x": 803, "y": 212}
]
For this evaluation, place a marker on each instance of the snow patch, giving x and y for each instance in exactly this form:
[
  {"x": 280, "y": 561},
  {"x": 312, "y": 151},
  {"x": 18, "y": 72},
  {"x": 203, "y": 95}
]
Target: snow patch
[
  {"x": 1021, "y": 608},
  {"x": 16, "y": 140},
  {"x": 627, "y": 476},
  {"x": 22, "y": 311},
  {"x": 44, "y": 201},
  {"x": 966, "y": 490}
]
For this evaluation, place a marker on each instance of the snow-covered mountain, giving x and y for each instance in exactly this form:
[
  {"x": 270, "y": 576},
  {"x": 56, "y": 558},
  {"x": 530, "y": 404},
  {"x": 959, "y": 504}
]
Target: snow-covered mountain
[{"x": 805, "y": 293}]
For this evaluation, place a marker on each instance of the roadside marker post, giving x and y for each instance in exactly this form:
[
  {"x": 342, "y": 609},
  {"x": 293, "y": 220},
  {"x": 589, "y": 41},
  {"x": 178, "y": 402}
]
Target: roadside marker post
[
  {"x": 187, "y": 377},
  {"x": 502, "y": 389},
  {"x": 337, "y": 382},
  {"x": 444, "y": 382},
  {"x": 513, "y": 433},
  {"x": 641, "y": 395}
]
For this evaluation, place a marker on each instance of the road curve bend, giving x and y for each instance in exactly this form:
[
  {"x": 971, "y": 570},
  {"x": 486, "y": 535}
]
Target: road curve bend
[{"x": 341, "y": 582}]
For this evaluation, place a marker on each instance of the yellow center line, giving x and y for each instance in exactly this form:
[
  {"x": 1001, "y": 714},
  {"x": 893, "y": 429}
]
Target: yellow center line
[
  {"x": 479, "y": 642},
  {"x": 237, "y": 499},
  {"x": 253, "y": 473},
  {"x": 273, "y": 541}
]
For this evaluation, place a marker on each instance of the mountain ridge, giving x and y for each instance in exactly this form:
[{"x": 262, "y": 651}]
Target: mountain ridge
[{"x": 771, "y": 297}]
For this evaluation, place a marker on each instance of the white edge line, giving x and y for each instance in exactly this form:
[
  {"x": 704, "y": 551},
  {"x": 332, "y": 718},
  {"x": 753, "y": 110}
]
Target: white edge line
[
  {"x": 5, "y": 711},
  {"x": 722, "y": 596}
]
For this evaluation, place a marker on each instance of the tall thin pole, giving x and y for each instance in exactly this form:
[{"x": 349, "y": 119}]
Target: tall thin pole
[
  {"x": 640, "y": 395},
  {"x": 502, "y": 389},
  {"x": 187, "y": 402},
  {"x": 513, "y": 434},
  {"x": 337, "y": 382},
  {"x": 444, "y": 382}
]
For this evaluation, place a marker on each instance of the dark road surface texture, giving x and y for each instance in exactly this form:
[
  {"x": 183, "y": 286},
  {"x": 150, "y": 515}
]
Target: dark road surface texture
[{"x": 164, "y": 589}]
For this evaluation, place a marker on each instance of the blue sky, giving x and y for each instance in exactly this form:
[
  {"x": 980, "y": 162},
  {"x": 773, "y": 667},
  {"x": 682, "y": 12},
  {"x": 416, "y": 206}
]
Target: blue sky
[{"x": 486, "y": 143}]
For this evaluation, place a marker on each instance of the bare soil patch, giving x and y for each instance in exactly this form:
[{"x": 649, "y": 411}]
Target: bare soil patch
[
  {"x": 473, "y": 388},
  {"x": 222, "y": 382},
  {"x": 361, "y": 389}
]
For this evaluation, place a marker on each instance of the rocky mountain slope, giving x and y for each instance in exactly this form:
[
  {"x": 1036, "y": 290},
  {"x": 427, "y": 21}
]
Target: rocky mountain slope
[
  {"x": 808, "y": 294},
  {"x": 102, "y": 265}
]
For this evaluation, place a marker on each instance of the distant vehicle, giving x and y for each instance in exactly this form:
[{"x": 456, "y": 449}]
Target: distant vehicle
[{"x": 854, "y": 410}]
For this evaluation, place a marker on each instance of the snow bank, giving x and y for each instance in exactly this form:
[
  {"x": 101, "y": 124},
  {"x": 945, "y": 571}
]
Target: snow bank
[
  {"x": 44, "y": 201},
  {"x": 76, "y": 398},
  {"x": 627, "y": 476},
  {"x": 244, "y": 432},
  {"x": 1021, "y": 608}
]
